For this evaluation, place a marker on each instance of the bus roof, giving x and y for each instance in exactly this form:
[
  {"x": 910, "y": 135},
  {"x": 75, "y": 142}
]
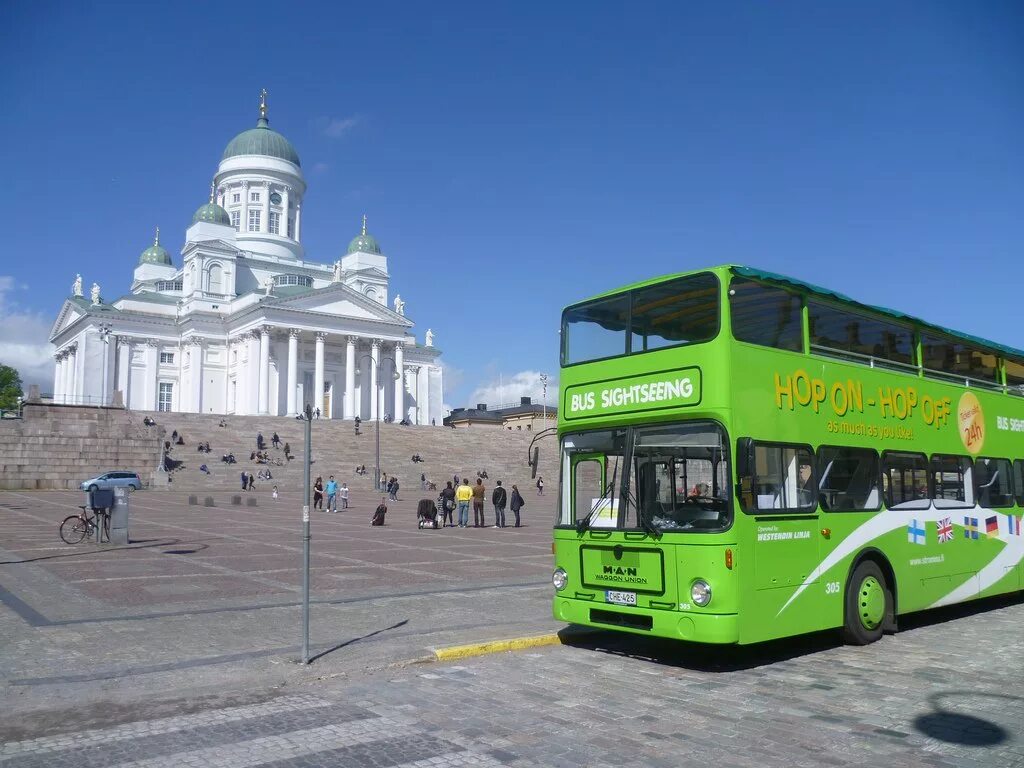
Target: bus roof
[{"x": 817, "y": 290}]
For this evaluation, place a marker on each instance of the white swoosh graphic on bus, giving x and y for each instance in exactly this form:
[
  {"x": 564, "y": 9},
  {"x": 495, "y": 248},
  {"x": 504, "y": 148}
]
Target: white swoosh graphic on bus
[{"x": 885, "y": 522}]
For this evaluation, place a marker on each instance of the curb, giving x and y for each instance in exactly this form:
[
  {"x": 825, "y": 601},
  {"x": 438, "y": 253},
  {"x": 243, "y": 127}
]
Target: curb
[{"x": 455, "y": 652}]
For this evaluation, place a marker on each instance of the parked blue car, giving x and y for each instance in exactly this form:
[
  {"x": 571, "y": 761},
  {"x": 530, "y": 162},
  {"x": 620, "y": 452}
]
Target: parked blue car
[{"x": 112, "y": 480}]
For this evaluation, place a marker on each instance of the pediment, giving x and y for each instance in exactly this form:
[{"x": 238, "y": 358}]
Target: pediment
[
  {"x": 69, "y": 315},
  {"x": 218, "y": 245},
  {"x": 341, "y": 301}
]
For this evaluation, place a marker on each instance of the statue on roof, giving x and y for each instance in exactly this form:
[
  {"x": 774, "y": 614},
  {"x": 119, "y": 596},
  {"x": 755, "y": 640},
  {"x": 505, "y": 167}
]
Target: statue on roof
[
  {"x": 76, "y": 287},
  {"x": 268, "y": 286},
  {"x": 430, "y": 338},
  {"x": 399, "y": 304},
  {"x": 336, "y": 277},
  {"x": 95, "y": 293}
]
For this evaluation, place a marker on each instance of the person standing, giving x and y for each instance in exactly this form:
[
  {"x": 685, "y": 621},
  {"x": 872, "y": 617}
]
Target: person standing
[
  {"x": 463, "y": 496},
  {"x": 499, "y": 498},
  {"x": 252, "y": 482},
  {"x": 394, "y": 489},
  {"x": 245, "y": 480},
  {"x": 540, "y": 486},
  {"x": 479, "y": 494},
  {"x": 447, "y": 505},
  {"x": 516, "y": 503},
  {"x": 332, "y": 494},
  {"x": 343, "y": 495},
  {"x": 276, "y": 441},
  {"x": 318, "y": 493}
]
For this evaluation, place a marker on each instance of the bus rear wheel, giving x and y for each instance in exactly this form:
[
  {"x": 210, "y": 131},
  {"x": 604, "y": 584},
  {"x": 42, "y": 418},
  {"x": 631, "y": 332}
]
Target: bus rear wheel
[{"x": 868, "y": 603}]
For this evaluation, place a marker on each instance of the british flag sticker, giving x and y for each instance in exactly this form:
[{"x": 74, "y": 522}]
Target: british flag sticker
[{"x": 945, "y": 530}]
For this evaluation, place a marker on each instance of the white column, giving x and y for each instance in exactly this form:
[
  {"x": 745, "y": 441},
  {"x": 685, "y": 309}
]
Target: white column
[
  {"x": 298, "y": 221},
  {"x": 65, "y": 387},
  {"x": 264, "y": 401},
  {"x": 350, "y": 378},
  {"x": 265, "y": 218},
  {"x": 293, "y": 369},
  {"x": 243, "y": 225},
  {"x": 196, "y": 366},
  {"x": 374, "y": 393},
  {"x": 124, "y": 367},
  {"x": 252, "y": 374},
  {"x": 317, "y": 400},
  {"x": 284, "y": 210},
  {"x": 424, "y": 395},
  {"x": 150, "y": 399},
  {"x": 399, "y": 382},
  {"x": 58, "y": 372}
]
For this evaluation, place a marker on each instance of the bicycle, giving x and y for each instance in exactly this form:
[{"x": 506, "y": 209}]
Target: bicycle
[{"x": 76, "y": 528}]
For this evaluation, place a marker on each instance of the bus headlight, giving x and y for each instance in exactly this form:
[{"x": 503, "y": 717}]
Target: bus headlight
[
  {"x": 700, "y": 592},
  {"x": 559, "y": 578}
]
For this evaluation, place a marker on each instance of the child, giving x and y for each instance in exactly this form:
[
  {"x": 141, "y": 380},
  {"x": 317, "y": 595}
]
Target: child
[{"x": 275, "y": 492}]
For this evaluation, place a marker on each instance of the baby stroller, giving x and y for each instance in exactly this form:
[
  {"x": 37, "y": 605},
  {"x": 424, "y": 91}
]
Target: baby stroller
[{"x": 426, "y": 514}]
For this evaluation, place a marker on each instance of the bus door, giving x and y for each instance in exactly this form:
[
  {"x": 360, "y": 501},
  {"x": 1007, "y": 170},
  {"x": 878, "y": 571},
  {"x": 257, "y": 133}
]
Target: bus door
[
  {"x": 590, "y": 498},
  {"x": 776, "y": 488}
]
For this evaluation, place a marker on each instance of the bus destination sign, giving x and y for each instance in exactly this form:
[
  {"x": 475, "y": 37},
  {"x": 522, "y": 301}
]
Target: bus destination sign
[{"x": 652, "y": 391}]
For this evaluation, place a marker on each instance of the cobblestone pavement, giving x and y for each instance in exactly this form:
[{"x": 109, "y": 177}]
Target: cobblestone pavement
[
  {"x": 943, "y": 692},
  {"x": 179, "y": 651}
]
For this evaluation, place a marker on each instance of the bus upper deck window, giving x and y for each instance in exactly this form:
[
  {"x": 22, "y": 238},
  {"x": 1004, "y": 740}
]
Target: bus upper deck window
[{"x": 765, "y": 315}]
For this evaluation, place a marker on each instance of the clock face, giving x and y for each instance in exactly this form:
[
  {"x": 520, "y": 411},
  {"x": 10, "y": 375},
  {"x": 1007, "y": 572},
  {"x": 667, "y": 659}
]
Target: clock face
[{"x": 275, "y": 198}]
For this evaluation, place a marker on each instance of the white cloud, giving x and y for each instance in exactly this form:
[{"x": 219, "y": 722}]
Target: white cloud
[
  {"x": 336, "y": 127},
  {"x": 320, "y": 167},
  {"x": 24, "y": 338},
  {"x": 504, "y": 390}
]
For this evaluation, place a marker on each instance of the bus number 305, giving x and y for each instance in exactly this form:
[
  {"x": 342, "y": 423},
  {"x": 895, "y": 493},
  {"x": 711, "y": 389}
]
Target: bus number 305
[{"x": 831, "y": 587}]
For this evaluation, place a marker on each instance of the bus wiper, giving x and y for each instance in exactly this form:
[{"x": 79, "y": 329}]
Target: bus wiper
[
  {"x": 646, "y": 525},
  {"x": 584, "y": 523}
]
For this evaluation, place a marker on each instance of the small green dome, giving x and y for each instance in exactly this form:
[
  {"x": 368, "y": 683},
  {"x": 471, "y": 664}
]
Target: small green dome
[
  {"x": 364, "y": 242},
  {"x": 212, "y": 213},
  {"x": 156, "y": 253}
]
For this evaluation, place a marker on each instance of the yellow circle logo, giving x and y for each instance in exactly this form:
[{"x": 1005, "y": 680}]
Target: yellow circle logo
[{"x": 971, "y": 422}]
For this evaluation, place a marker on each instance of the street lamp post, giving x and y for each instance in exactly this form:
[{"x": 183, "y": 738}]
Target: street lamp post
[
  {"x": 305, "y": 535},
  {"x": 544, "y": 386},
  {"x": 378, "y": 396}
]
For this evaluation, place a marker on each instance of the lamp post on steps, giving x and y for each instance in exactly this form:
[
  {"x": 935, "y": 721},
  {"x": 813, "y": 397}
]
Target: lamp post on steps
[
  {"x": 378, "y": 396},
  {"x": 308, "y": 424}
]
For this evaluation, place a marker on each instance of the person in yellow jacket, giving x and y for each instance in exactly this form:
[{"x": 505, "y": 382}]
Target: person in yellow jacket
[{"x": 463, "y": 496}]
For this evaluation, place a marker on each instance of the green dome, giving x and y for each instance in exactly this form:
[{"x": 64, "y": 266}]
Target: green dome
[
  {"x": 262, "y": 141},
  {"x": 364, "y": 242},
  {"x": 212, "y": 213},
  {"x": 156, "y": 253}
]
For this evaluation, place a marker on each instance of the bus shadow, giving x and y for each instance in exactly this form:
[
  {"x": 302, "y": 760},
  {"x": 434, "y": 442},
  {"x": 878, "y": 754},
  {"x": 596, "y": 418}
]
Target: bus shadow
[
  {"x": 734, "y": 658},
  {"x": 700, "y": 657}
]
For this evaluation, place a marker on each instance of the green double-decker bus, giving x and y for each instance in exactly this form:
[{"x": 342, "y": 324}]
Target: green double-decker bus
[{"x": 745, "y": 456}]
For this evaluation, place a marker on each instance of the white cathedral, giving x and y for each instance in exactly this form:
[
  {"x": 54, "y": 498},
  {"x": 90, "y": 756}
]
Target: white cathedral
[{"x": 247, "y": 325}]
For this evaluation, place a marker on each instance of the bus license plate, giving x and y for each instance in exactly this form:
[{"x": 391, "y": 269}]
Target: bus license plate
[{"x": 620, "y": 598}]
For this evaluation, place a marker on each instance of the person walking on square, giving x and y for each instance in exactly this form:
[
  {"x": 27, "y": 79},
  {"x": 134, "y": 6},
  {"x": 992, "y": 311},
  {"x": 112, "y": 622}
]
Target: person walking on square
[
  {"x": 318, "y": 493},
  {"x": 516, "y": 503},
  {"x": 245, "y": 480},
  {"x": 252, "y": 482},
  {"x": 343, "y": 495},
  {"x": 393, "y": 488},
  {"x": 332, "y": 494},
  {"x": 274, "y": 494},
  {"x": 447, "y": 505},
  {"x": 540, "y": 485},
  {"x": 276, "y": 441},
  {"x": 499, "y": 498},
  {"x": 479, "y": 494},
  {"x": 463, "y": 496}
]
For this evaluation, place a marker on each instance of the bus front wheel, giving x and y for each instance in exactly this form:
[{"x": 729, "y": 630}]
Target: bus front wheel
[{"x": 868, "y": 603}]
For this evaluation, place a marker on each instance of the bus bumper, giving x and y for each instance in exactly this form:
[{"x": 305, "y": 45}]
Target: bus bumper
[{"x": 691, "y": 626}]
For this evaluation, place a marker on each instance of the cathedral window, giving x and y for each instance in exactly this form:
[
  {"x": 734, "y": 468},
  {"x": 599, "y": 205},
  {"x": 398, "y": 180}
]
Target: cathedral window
[
  {"x": 254, "y": 219},
  {"x": 275, "y": 223},
  {"x": 215, "y": 279},
  {"x": 168, "y": 285},
  {"x": 166, "y": 358},
  {"x": 236, "y": 217},
  {"x": 166, "y": 399},
  {"x": 304, "y": 280},
  {"x": 254, "y": 197},
  {"x": 236, "y": 198}
]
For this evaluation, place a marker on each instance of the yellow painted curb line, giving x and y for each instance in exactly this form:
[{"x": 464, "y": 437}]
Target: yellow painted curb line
[{"x": 455, "y": 652}]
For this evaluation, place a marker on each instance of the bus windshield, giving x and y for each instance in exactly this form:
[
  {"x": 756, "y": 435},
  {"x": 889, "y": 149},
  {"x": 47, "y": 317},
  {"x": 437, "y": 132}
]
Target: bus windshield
[{"x": 677, "y": 478}]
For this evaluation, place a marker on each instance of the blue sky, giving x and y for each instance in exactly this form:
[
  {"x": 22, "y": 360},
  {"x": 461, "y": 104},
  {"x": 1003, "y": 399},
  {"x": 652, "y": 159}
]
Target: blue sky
[{"x": 515, "y": 157}]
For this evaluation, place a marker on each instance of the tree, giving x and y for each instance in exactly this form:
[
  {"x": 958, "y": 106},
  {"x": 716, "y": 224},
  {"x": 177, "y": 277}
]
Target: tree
[{"x": 10, "y": 388}]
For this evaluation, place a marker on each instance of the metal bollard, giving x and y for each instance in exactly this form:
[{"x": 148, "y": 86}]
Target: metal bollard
[
  {"x": 193, "y": 500},
  {"x": 208, "y": 502},
  {"x": 250, "y": 501}
]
